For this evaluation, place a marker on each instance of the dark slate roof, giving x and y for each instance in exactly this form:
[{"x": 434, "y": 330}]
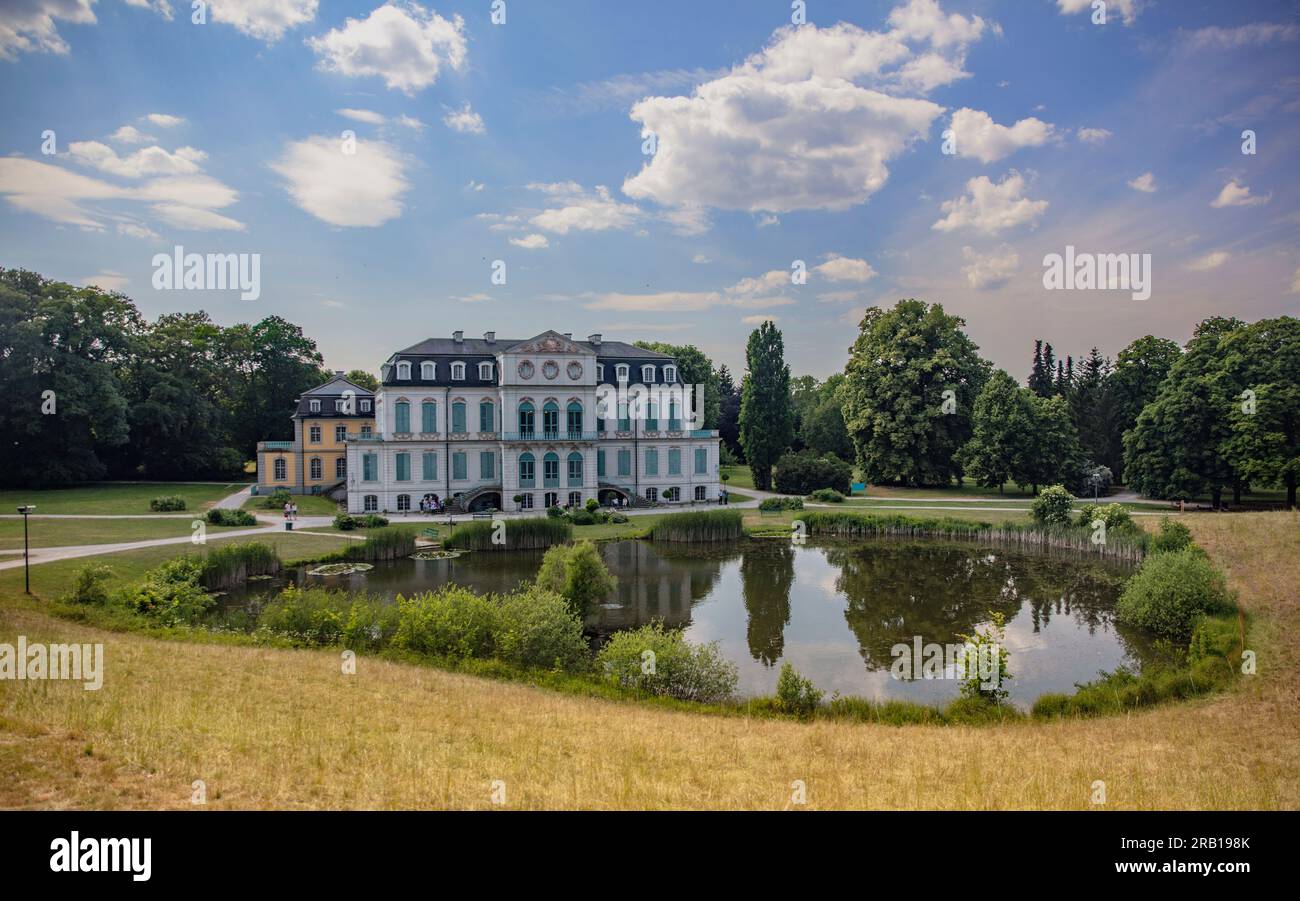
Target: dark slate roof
[
  {"x": 479, "y": 347},
  {"x": 327, "y": 393}
]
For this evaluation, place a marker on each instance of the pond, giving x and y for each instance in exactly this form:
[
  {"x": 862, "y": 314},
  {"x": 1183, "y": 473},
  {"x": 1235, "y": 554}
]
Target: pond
[{"x": 833, "y": 609}]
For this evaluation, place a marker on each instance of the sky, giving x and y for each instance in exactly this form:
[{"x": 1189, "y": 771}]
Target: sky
[{"x": 673, "y": 171}]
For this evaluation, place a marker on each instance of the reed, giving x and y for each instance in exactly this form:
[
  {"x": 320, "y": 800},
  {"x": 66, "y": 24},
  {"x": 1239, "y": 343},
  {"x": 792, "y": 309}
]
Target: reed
[
  {"x": 229, "y": 565},
  {"x": 700, "y": 526},
  {"x": 381, "y": 545},
  {"x": 532, "y": 534}
]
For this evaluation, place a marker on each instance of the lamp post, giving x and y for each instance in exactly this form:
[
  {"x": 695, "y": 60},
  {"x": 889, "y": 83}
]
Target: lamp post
[{"x": 26, "y": 510}]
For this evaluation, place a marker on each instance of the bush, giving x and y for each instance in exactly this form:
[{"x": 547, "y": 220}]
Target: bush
[
  {"x": 795, "y": 694},
  {"x": 1052, "y": 506},
  {"x": 592, "y": 505},
  {"x": 1173, "y": 536},
  {"x": 827, "y": 496},
  {"x": 276, "y": 499},
  {"x": 805, "y": 472},
  {"x": 619, "y": 518},
  {"x": 372, "y": 521},
  {"x": 219, "y": 516},
  {"x": 777, "y": 504},
  {"x": 1092, "y": 478},
  {"x": 345, "y": 522},
  {"x": 316, "y": 617},
  {"x": 555, "y": 512},
  {"x": 578, "y": 574},
  {"x": 1115, "y": 516},
  {"x": 661, "y": 662},
  {"x": 582, "y": 518},
  {"x": 171, "y": 593},
  {"x": 537, "y": 627},
  {"x": 168, "y": 503},
  {"x": 89, "y": 587},
  {"x": 450, "y": 622},
  {"x": 1171, "y": 592},
  {"x": 703, "y": 525}
]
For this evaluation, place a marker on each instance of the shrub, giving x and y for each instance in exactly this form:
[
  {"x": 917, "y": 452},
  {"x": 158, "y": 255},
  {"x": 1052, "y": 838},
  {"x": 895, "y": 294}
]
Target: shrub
[
  {"x": 1092, "y": 478},
  {"x": 276, "y": 499},
  {"x": 1173, "y": 536},
  {"x": 345, "y": 522},
  {"x": 702, "y": 525},
  {"x": 537, "y": 627},
  {"x": 1115, "y": 516},
  {"x": 805, "y": 472},
  {"x": 778, "y": 504},
  {"x": 592, "y": 505},
  {"x": 554, "y": 512},
  {"x": 661, "y": 662},
  {"x": 578, "y": 574},
  {"x": 317, "y": 617},
  {"x": 619, "y": 518},
  {"x": 582, "y": 518},
  {"x": 533, "y": 534},
  {"x": 1171, "y": 591},
  {"x": 450, "y": 622},
  {"x": 168, "y": 503},
  {"x": 1052, "y": 506},
  {"x": 89, "y": 587},
  {"x": 372, "y": 521},
  {"x": 827, "y": 495},
  {"x": 219, "y": 516},
  {"x": 975, "y": 685},
  {"x": 795, "y": 694},
  {"x": 171, "y": 593}
]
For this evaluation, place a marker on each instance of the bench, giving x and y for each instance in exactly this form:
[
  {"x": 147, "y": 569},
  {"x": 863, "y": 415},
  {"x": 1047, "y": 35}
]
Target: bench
[
  {"x": 431, "y": 534},
  {"x": 483, "y": 514}
]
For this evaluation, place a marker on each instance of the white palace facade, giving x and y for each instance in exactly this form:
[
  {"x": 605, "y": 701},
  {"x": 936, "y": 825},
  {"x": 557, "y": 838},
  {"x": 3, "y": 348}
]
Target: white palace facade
[{"x": 551, "y": 421}]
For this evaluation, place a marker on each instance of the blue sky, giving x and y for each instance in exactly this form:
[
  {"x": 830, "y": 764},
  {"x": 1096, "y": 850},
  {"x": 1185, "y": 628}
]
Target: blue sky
[{"x": 522, "y": 142}]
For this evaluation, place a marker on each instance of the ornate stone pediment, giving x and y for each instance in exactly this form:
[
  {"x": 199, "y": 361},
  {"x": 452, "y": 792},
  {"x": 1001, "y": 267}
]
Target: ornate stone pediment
[{"x": 548, "y": 342}]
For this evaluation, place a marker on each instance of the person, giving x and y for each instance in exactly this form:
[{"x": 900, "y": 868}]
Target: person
[
  {"x": 293, "y": 511},
  {"x": 286, "y": 510}
]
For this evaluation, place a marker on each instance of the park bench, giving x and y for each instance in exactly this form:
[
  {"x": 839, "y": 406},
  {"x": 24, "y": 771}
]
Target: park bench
[
  {"x": 431, "y": 534},
  {"x": 483, "y": 514}
]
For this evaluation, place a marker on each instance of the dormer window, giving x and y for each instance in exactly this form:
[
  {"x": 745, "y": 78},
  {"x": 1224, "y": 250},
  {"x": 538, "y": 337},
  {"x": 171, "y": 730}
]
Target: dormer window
[
  {"x": 404, "y": 371},
  {"x": 670, "y": 374},
  {"x": 315, "y": 406},
  {"x": 338, "y": 405},
  {"x": 365, "y": 406},
  {"x": 648, "y": 375},
  {"x": 485, "y": 371},
  {"x": 600, "y": 373},
  {"x": 621, "y": 372},
  {"x": 428, "y": 371},
  {"x": 458, "y": 371}
]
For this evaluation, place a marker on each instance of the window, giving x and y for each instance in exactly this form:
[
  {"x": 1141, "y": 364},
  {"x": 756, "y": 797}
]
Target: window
[
  {"x": 458, "y": 371},
  {"x": 672, "y": 494},
  {"x": 403, "y": 503},
  {"x": 487, "y": 419},
  {"x": 575, "y": 499},
  {"x": 551, "y": 419},
  {"x": 674, "y": 416},
  {"x": 600, "y": 464},
  {"x": 316, "y": 469},
  {"x": 365, "y": 406},
  {"x": 652, "y": 416},
  {"x": 701, "y": 461},
  {"x": 624, "y": 423},
  {"x": 341, "y": 468},
  {"x": 526, "y": 470},
  {"x": 371, "y": 503},
  {"x": 525, "y": 420},
  {"x": 551, "y": 471},
  {"x": 670, "y": 375},
  {"x": 651, "y": 462},
  {"x": 338, "y": 406},
  {"x": 487, "y": 465},
  {"x": 575, "y": 469},
  {"x": 314, "y": 432},
  {"x": 600, "y": 373},
  {"x": 403, "y": 467},
  {"x": 575, "y": 420},
  {"x": 429, "y": 416},
  {"x": 699, "y": 492},
  {"x": 459, "y": 466},
  {"x": 621, "y": 371},
  {"x": 366, "y": 431},
  {"x": 652, "y": 495},
  {"x": 402, "y": 417},
  {"x": 674, "y": 462},
  {"x": 314, "y": 405},
  {"x": 552, "y": 499},
  {"x": 403, "y": 370},
  {"x": 648, "y": 374},
  {"x": 370, "y": 467},
  {"x": 340, "y": 433},
  {"x": 429, "y": 467},
  {"x": 428, "y": 371},
  {"x": 458, "y": 417},
  {"x": 485, "y": 371},
  {"x": 625, "y": 462},
  {"x": 525, "y": 502},
  {"x": 281, "y": 469}
]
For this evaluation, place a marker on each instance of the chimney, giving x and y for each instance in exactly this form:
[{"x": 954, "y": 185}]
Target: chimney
[
  {"x": 569, "y": 335},
  {"x": 594, "y": 339},
  {"x": 338, "y": 372},
  {"x": 458, "y": 336},
  {"x": 490, "y": 337}
]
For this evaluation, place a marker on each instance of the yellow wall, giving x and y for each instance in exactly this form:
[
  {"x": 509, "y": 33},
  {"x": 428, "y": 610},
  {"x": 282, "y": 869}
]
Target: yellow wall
[{"x": 328, "y": 449}]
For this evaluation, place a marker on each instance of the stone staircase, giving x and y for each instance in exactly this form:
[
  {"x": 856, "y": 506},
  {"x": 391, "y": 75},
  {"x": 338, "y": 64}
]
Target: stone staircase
[{"x": 466, "y": 500}]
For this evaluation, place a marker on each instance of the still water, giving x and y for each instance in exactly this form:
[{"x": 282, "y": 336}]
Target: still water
[{"x": 834, "y": 610}]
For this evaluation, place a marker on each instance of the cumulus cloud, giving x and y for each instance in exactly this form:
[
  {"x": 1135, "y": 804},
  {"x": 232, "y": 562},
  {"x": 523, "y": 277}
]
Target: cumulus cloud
[
  {"x": 165, "y": 120},
  {"x": 924, "y": 20},
  {"x": 30, "y": 26},
  {"x": 107, "y": 279},
  {"x": 843, "y": 269},
  {"x": 464, "y": 120},
  {"x": 1094, "y": 135},
  {"x": 531, "y": 242},
  {"x": 369, "y": 117},
  {"x": 577, "y": 209},
  {"x": 266, "y": 20},
  {"x": 977, "y": 136},
  {"x": 1236, "y": 194},
  {"x": 357, "y": 189},
  {"x": 991, "y": 207},
  {"x": 401, "y": 42},
  {"x": 129, "y": 134},
  {"x": 758, "y": 319},
  {"x": 992, "y": 270},
  {"x": 140, "y": 164},
  {"x": 1146, "y": 183},
  {"x": 1128, "y": 9},
  {"x": 1212, "y": 260}
]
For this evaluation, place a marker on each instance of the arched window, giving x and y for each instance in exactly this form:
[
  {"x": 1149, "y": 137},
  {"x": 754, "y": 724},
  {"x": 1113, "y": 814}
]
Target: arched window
[
  {"x": 371, "y": 503},
  {"x": 575, "y": 420},
  {"x": 487, "y": 419},
  {"x": 317, "y": 468},
  {"x": 670, "y": 375},
  {"x": 652, "y": 495},
  {"x": 427, "y": 370},
  {"x": 648, "y": 374},
  {"x": 526, "y": 473},
  {"x": 403, "y": 370},
  {"x": 402, "y": 417},
  {"x": 526, "y": 420},
  {"x": 458, "y": 371},
  {"x": 403, "y": 503},
  {"x": 699, "y": 492},
  {"x": 552, "y": 499},
  {"x": 281, "y": 469},
  {"x": 575, "y": 469},
  {"x": 551, "y": 419},
  {"x": 429, "y": 416},
  {"x": 485, "y": 371},
  {"x": 621, "y": 372},
  {"x": 551, "y": 471},
  {"x": 341, "y": 468},
  {"x": 575, "y": 499},
  {"x": 458, "y": 417}
]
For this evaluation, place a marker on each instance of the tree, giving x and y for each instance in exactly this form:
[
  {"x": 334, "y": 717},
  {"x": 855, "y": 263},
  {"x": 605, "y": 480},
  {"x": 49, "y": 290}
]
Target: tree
[
  {"x": 1095, "y": 413},
  {"x": 1139, "y": 370},
  {"x": 1040, "y": 375},
  {"x": 895, "y": 408},
  {"x": 693, "y": 368},
  {"x": 1051, "y": 453},
  {"x": 1003, "y": 432},
  {"x": 729, "y": 412},
  {"x": 363, "y": 378},
  {"x": 766, "y": 420},
  {"x": 275, "y": 363},
  {"x": 577, "y": 573}
]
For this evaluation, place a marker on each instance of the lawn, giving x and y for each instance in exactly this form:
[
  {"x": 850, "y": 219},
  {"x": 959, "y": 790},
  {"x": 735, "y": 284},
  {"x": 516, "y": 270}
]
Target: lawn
[
  {"x": 117, "y": 497},
  {"x": 269, "y": 728},
  {"x": 63, "y": 532},
  {"x": 308, "y": 505}
]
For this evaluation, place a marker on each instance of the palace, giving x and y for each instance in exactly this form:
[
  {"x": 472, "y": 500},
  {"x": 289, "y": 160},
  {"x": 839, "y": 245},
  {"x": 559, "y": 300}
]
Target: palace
[
  {"x": 486, "y": 423},
  {"x": 315, "y": 461}
]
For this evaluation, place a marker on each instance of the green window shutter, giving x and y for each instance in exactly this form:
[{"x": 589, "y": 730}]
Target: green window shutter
[
  {"x": 403, "y": 467},
  {"x": 458, "y": 418},
  {"x": 600, "y": 462},
  {"x": 701, "y": 461},
  {"x": 486, "y": 419},
  {"x": 429, "y": 417},
  {"x": 370, "y": 468},
  {"x": 430, "y": 467},
  {"x": 625, "y": 462},
  {"x": 459, "y": 468},
  {"x": 674, "y": 462},
  {"x": 652, "y": 462},
  {"x": 402, "y": 417},
  {"x": 487, "y": 465}
]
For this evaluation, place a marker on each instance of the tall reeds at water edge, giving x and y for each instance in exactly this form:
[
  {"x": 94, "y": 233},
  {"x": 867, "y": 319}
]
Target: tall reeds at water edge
[
  {"x": 1125, "y": 547},
  {"x": 383, "y": 544},
  {"x": 702, "y": 525},
  {"x": 229, "y": 565},
  {"x": 533, "y": 534}
]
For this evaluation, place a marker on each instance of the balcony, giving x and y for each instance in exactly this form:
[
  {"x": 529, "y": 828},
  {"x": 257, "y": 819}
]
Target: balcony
[
  {"x": 274, "y": 445},
  {"x": 560, "y": 435},
  {"x": 370, "y": 437}
]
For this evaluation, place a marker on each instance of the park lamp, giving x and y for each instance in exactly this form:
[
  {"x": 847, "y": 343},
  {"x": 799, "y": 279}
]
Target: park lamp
[{"x": 26, "y": 509}]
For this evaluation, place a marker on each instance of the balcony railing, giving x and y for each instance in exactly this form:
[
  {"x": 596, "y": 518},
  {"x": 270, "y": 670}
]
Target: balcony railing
[
  {"x": 560, "y": 435},
  {"x": 275, "y": 445},
  {"x": 370, "y": 437}
]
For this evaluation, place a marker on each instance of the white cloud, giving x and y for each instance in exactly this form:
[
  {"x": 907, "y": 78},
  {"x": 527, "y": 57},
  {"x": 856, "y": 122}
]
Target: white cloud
[
  {"x": 582, "y": 210},
  {"x": 266, "y": 20},
  {"x": 28, "y": 26},
  {"x": 929, "y": 71},
  {"x": 164, "y": 120},
  {"x": 1146, "y": 183},
  {"x": 843, "y": 269},
  {"x": 1295, "y": 282},
  {"x": 107, "y": 279},
  {"x": 990, "y": 207},
  {"x": 979, "y": 137},
  {"x": 475, "y": 186},
  {"x": 531, "y": 242},
  {"x": 161, "y": 7},
  {"x": 1254, "y": 34},
  {"x": 129, "y": 134},
  {"x": 700, "y": 259},
  {"x": 400, "y": 42},
  {"x": 410, "y": 122},
  {"x": 472, "y": 298},
  {"x": 464, "y": 120},
  {"x": 1235, "y": 194},
  {"x": 985, "y": 271},
  {"x": 1212, "y": 260},
  {"x": 369, "y": 117},
  {"x": 1128, "y": 9},
  {"x": 359, "y": 189},
  {"x": 140, "y": 164},
  {"x": 136, "y": 230},
  {"x": 1094, "y": 135},
  {"x": 924, "y": 20},
  {"x": 757, "y": 319}
]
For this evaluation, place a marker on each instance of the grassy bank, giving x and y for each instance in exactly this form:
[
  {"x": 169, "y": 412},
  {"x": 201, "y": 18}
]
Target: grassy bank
[
  {"x": 72, "y": 532},
  {"x": 117, "y": 497}
]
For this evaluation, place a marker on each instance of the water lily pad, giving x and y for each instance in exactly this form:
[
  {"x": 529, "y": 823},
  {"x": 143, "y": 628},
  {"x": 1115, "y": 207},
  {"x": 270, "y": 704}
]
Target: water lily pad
[
  {"x": 340, "y": 569},
  {"x": 436, "y": 555}
]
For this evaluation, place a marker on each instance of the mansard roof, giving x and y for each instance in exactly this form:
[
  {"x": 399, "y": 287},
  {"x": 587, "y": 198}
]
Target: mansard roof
[{"x": 475, "y": 348}]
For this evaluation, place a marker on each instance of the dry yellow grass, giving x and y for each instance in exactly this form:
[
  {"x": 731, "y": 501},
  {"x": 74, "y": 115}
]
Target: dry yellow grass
[{"x": 285, "y": 729}]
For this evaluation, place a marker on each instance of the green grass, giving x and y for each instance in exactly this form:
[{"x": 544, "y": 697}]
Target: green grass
[
  {"x": 533, "y": 533},
  {"x": 741, "y": 477},
  {"x": 308, "y": 505},
  {"x": 69, "y": 532},
  {"x": 738, "y": 496},
  {"x": 116, "y": 497}
]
